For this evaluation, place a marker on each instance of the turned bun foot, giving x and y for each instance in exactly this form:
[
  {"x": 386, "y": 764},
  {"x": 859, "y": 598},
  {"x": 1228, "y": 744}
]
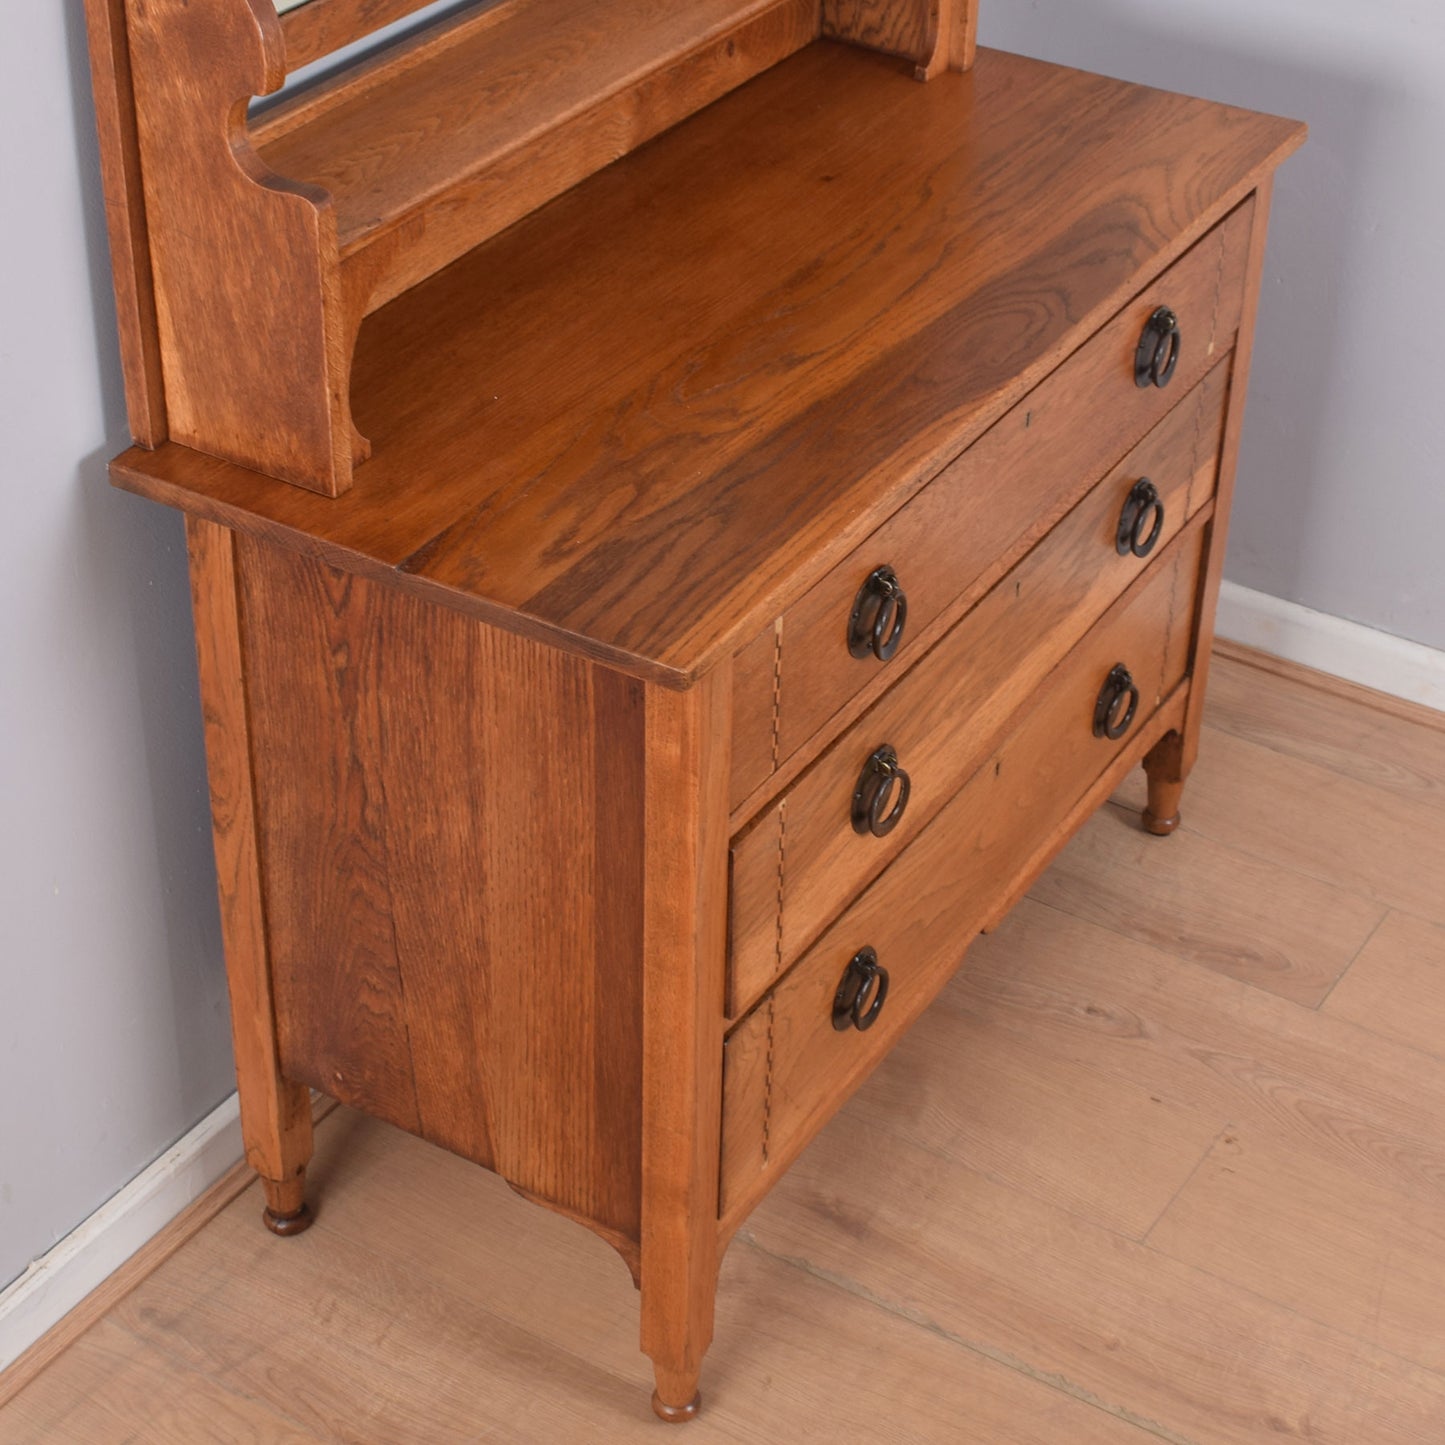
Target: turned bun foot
[
  {"x": 1165, "y": 768},
  {"x": 676, "y": 1414},
  {"x": 1160, "y": 827},
  {"x": 297, "y": 1221},
  {"x": 286, "y": 1211}
]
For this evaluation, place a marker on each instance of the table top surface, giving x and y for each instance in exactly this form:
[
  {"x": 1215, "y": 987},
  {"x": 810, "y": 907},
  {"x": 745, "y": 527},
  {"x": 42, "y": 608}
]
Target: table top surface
[{"x": 645, "y": 418}]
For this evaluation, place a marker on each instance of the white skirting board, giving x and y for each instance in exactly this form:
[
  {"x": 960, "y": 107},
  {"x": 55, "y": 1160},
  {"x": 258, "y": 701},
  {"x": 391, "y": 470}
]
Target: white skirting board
[
  {"x": 1330, "y": 644},
  {"x": 58, "y": 1281}
]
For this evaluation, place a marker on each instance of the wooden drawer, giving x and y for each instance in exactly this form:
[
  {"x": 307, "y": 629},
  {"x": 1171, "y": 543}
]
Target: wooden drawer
[
  {"x": 799, "y": 862},
  {"x": 787, "y": 1069},
  {"x": 969, "y": 526}
]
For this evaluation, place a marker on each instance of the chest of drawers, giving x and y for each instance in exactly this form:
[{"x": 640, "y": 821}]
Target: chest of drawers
[{"x": 769, "y": 553}]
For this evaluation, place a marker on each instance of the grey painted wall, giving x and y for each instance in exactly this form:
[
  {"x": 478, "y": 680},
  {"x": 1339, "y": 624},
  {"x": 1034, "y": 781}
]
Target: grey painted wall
[
  {"x": 113, "y": 1030},
  {"x": 113, "y": 1033},
  {"x": 1341, "y": 502}
]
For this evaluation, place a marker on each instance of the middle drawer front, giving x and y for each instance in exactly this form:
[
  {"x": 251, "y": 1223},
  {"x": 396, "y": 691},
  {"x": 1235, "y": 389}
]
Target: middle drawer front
[
  {"x": 799, "y": 862},
  {"x": 795, "y": 1058}
]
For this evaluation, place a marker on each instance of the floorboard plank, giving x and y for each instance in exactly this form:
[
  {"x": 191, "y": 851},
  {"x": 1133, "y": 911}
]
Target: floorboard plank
[
  {"x": 106, "y": 1391},
  {"x": 1385, "y": 845},
  {"x": 1059, "y": 987},
  {"x": 1204, "y": 901},
  {"x": 1197, "y": 1358},
  {"x": 1349, "y": 737},
  {"x": 485, "y": 1320},
  {"x": 1318, "y": 1239},
  {"x": 1396, "y": 987},
  {"x": 1104, "y": 1147}
]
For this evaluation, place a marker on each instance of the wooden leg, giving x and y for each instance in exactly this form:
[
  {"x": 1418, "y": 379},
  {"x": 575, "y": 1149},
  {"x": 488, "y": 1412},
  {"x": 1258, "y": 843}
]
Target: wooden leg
[
  {"x": 275, "y": 1112},
  {"x": 677, "y": 1322},
  {"x": 1164, "y": 765},
  {"x": 684, "y": 946},
  {"x": 679, "y": 1289}
]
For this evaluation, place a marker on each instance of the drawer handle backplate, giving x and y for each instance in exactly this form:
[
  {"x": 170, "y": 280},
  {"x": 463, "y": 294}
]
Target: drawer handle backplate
[
  {"x": 1134, "y": 535},
  {"x": 861, "y": 992},
  {"x": 1158, "y": 352},
  {"x": 1117, "y": 704},
  {"x": 880, "y": 611},
  {"x": 881, "y": 782}
]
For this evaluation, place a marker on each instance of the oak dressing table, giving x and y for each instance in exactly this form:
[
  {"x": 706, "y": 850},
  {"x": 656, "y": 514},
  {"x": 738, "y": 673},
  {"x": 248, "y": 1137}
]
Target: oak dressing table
[{"x": 690, "y": 506}]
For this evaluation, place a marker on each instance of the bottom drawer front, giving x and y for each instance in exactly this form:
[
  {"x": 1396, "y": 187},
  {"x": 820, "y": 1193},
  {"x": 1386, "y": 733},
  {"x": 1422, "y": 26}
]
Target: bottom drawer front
[{"x": 790, "y": 1063}]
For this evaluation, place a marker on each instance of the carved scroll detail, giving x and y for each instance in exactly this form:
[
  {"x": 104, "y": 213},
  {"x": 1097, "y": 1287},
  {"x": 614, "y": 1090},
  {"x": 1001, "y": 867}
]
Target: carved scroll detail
[{"x": 245, "y": 262}]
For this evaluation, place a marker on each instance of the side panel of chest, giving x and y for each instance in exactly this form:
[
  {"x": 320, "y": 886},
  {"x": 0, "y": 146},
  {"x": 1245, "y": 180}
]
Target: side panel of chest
[{"x": 450, "y": 827}]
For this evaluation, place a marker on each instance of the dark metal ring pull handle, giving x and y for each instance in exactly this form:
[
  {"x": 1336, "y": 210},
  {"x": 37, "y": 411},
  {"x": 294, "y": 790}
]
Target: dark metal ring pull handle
[
  {"x": 880, "y": 611},
  {"x": 861, "y": 992},
  {"x": 1135, "y": 534},
  {"x": 880, "y": 783},
  {"x": 1158, "y": 352},
  {"x": 1117, "y": 704}
]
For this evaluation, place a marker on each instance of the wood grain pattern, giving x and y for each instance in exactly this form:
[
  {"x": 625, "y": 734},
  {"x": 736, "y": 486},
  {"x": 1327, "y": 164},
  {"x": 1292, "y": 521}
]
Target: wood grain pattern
[
  {"x": 1115, "y": 1322},
  {"x": 966, "y": 528},
  {"x": 275, "y": 1106},
  {"x": 1107, "y": 1149},
  {"x": 125, "y": 219},
  {"x": 1327, "y": 1242},
  {"x": 314, "y": 683},
  {"x": 757, "y": 669},
  {"x": 1366, "y": 736},
  {"x": 1257, "y": 921},
  {"x": 1366, "y": 708},
  {"x": 239, "y": 254},
  {"x": 456, "y": 894},
  {"x": 655, "y": 511},
  {"x": 269, "y": 241},
  {"x": 896, "y": 27},
  {"x": 787, "y": 1070},
  {"x": 1308, "y": 1081},
  {"x": 1396, "y": 985},
  {"x": 790, "y": 877}
]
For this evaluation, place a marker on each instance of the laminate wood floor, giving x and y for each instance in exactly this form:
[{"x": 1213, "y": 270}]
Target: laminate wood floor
[{"x": 1165, "y": 1162}]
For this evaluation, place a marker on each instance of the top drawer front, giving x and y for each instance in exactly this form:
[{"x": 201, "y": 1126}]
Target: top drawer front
[{"x": 984, "y": 510}]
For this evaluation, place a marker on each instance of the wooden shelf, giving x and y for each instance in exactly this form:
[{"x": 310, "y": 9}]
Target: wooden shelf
[
  {"x": 430, "y": 152},
  {"x": 248, "y": 250}
]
